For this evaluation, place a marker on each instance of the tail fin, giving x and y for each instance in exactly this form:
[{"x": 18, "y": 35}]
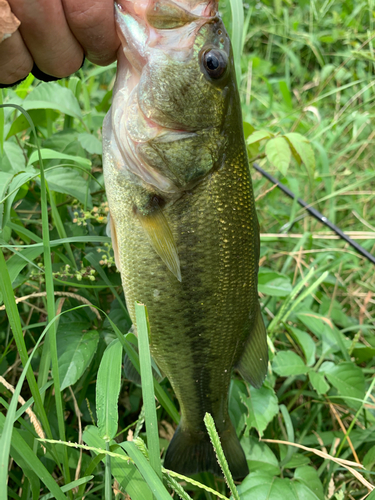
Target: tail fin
[{"x": 192, "y": 452}]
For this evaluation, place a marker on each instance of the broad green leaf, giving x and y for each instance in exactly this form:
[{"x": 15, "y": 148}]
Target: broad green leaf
[
  {"x": 303, "y": 492},
  {"x": 13, "y": 158},
  {"x": 259, "y": 456},
  {"x": 263, "y": 406},
  {"x": 50, "y": 154},
  {"x": 90, "y": 143},
  {"x": 238, "y": 411},
  {"x": 264, "y": 486},
  {"x": 153, "y": 480},
  {"x": 5, "y": 180},
  {"x": 279, "y": 154},
  {"x": 38, "y": 116},
  {"x": 17, "y": 182},
  {"x": 303, "y": 148},
  {"x": 369, "y": 458},
  {"x": 18, "y": 261},
  {"x": 319, "y": 382},
  {"x": 258, "y": 136},
  {"x": 310, "y": 478},
  {"x": 306, "y": 343},
  {"x": 123, "y": 471},
  {"x": 273, "y": 283},
  {"x": 75, "y": 350},
  {"x": 297, "y": 460},
  {"x": 287, "y": 363},
  {"x": 53, "y": 96},
  {"x": 363, "y": 353},
  {"x": 108, "y": 389},
  {"x": 348, "y": 379},
  {"x": 333, "y": 340},
  {"x": 69, "y": 181}
]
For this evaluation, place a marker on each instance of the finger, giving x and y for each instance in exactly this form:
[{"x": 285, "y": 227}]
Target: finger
[
  {"x": 93, "y": 24},
  {"x": 15, "y": 60},
  {"x": 46, "y": 34}
]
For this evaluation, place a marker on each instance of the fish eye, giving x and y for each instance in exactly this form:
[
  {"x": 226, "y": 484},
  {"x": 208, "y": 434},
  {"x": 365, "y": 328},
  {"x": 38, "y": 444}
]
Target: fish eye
[{"x": 215, "y": 62}]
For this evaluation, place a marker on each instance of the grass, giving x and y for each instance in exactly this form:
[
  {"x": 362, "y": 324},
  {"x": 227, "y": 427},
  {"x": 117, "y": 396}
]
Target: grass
[{"x": 306, "y": 86}]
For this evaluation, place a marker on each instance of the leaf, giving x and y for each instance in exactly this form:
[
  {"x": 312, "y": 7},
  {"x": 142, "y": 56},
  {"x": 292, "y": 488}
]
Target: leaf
[
  {"x": 279, "y": 154},
  {"x": 257, "y": 136},
  {"x": 263, "y": 406},
  {"x": 273, "y": 283},
  {"x": 310, "y": 478},
  {"x": 124, "y": 472},
  {"x": 369, "y": 458},
  {"x": 25, "y": 457},
  {"x": 5, "y": 180},
  {"x": 38, "y": 116},
  {"x": 13, "y": 159},
  {"x": 50, "y": 154},
  {"x": 53, "y": 96},
  {"x": 108, "y": 389},
  {"x": 348, "y": 379},
  {"x": 287, "y": 363},
  {"x": 263, "y": 486},
  {"x": 237, "y": 409},
  {"x": 69, "y": 181},
  {"x": 17, "y": 182},
  {"x": 297, "y": 459},
  {"x": 304, "y": 151},
  {"x": 306, "y": 343},
  {"x": 75, "y": 350},
  {"x": 259, "y": 456},
  {"x": 90, "y": 143},
  {"x": 153, "y": 480},
  {"x": 318, "y": 382},
  {"x": 303, "y": 492}
]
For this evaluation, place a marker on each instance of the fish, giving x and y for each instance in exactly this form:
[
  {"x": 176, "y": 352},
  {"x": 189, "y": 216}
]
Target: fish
[{"x": 183, "y": 222}]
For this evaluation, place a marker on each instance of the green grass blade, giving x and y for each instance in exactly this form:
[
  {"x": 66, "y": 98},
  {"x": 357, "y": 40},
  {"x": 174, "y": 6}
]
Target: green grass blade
[
  {"x": 162, "y": 397},
  {"x": 15, "y": 323},
  {"x": 6, "y": 435},
  {"x": 215, "y": 440},
  {"x": 108, "y": 389},
  {"x": 24, "y": 454},
  {"x": 94, "y": 258},
  {"x": 236, "y": 35},
  {"x": 108, "y": 476},
  {"x": 143, "y": 331},
  {"x": 70, "y": 486},
  {"x": 148, "y": 472}
]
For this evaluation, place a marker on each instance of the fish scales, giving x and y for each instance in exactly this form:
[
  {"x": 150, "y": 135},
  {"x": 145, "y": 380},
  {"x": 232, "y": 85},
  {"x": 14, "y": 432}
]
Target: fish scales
[{"x": 200, "y": 282}]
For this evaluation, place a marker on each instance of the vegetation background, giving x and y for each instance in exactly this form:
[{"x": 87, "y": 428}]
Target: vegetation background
[{"x": 306, "y": 75}]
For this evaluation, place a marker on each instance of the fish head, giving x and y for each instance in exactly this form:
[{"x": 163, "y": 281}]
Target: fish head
[{"x": 176, "y": 91}]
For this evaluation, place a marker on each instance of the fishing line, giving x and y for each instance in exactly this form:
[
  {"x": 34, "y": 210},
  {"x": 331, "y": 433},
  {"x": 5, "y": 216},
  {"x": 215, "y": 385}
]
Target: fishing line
[{"x": 315, "y": 213}]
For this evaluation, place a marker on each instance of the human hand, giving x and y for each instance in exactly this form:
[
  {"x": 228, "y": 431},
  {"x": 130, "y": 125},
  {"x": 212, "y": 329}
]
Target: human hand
[{"x": 55, "y": 35}]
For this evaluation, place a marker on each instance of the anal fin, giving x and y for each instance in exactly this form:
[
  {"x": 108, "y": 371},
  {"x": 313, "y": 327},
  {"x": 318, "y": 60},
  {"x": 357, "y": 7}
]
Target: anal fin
[
  {"x": 253, "y": 363},
  {"x": 161, "y": 238}
]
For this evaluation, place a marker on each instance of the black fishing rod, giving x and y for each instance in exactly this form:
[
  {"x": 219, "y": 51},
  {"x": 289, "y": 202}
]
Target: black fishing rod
[{"x": 315, "y": 213}]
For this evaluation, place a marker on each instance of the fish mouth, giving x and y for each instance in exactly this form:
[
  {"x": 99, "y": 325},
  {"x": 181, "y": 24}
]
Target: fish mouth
[{"x": 170, "y": 26}]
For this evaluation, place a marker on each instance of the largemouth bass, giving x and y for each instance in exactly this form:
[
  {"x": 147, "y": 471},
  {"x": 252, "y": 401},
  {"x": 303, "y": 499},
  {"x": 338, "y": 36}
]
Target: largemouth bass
[{"x": 183, "y": 222}]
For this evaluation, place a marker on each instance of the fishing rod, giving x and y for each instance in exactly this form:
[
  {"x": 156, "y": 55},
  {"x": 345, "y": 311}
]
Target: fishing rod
[{"x": 315, "y": 213}]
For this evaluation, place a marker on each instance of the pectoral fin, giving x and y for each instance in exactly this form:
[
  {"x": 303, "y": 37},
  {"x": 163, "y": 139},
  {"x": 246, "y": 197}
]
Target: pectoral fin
[
  {"x": 111, "y": 232},
  {"x": 161, "y": 238},
  {"x": 254, "y": 361}
]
